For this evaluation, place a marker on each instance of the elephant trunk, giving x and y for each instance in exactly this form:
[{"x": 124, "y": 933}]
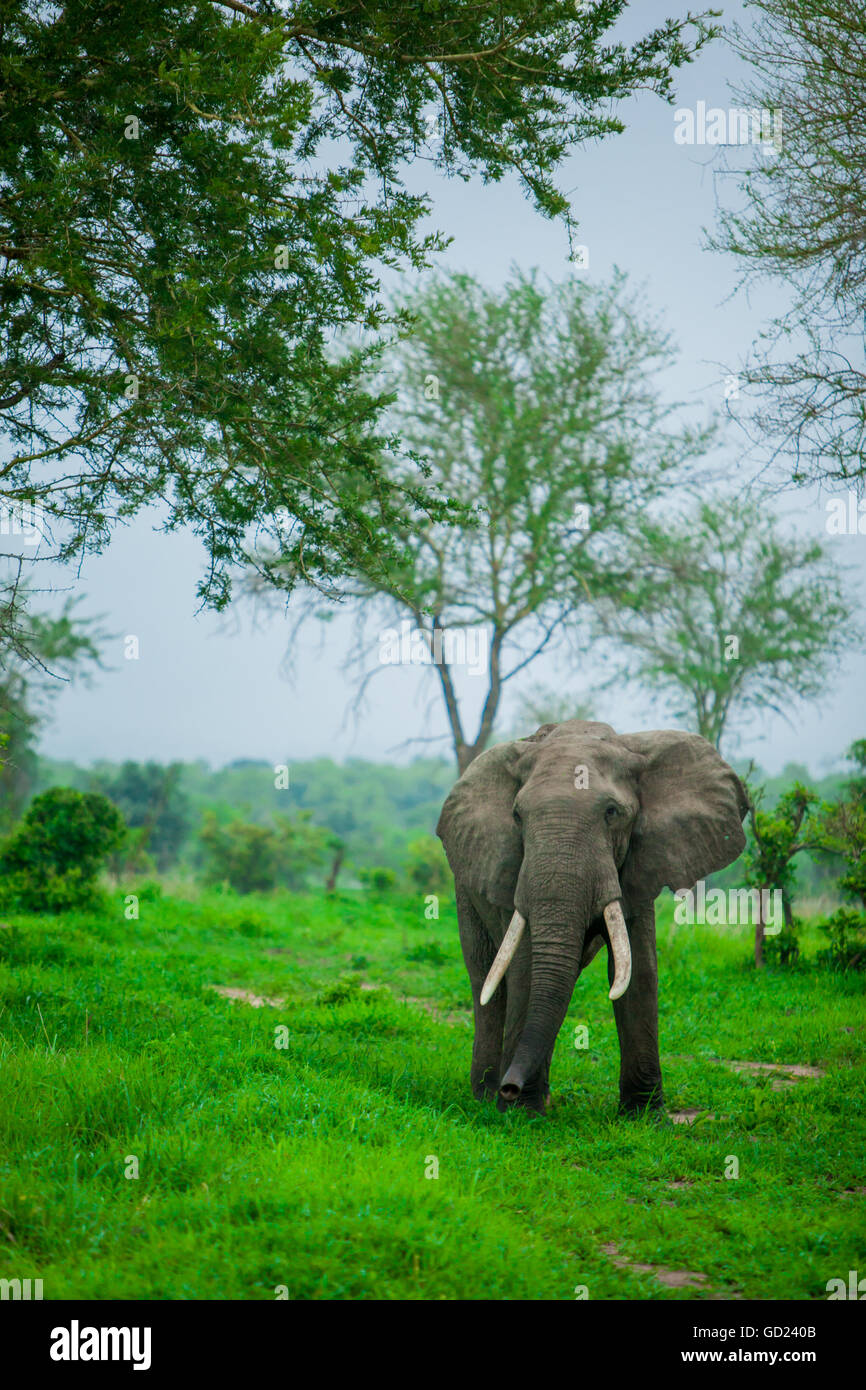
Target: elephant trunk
[
  {"x": 555, "y": 967},
  {"x": 619, "y": 945}
]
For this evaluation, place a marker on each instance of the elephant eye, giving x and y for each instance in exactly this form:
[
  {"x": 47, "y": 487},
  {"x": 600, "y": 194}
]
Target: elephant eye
[
  {"x": 516, "y": 814},
  {"x": 611, "y": 813}
]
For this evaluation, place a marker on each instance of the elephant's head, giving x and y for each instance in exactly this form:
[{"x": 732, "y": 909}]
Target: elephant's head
[{"x": 571, "y": 830}]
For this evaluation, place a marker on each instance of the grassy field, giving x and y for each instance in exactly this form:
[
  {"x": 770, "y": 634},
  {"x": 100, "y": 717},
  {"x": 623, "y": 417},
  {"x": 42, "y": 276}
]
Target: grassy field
[{"x": 288, "y": 1146}]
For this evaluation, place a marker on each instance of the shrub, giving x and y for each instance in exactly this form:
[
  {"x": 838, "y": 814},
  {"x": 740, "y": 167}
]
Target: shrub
[
  {"x": 53, "y": 860},
  {"x": 784, "y": 949},
  {"x": 430, "y": 953},
  {"x": 846, "y": 932},
  {"x": 844, "y": 828},
  {"x": 426, "y": 867},
  {"x": 380, "y": 879},
  {"x": 349, "y": 991},
  {"x": 775, "y": 839},
  {"x": 257, "y": 858},
  {"x": 243, "y": 854},
  {"x": 149, "y": 892}
]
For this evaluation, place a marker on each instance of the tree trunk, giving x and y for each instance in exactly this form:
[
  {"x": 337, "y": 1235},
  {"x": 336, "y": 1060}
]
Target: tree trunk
[
  {"x": 466, "y": 754},
  {"x": 335, "y": 869}
]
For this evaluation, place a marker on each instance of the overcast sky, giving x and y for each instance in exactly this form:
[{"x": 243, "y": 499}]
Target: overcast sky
[{"x": 208, "y": 688}]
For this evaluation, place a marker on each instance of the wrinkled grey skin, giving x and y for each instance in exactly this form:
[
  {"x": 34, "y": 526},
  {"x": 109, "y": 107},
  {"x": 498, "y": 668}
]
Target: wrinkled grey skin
[{"x": 658, "y": 809}]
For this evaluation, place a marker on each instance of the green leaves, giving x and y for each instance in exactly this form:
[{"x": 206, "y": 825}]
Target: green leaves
[
  {"x": 52, "y": 861},
  {"x": 724, "y": 615},
  {"x": 537, "y": 411},
  {"x": 152, "y": 156}
]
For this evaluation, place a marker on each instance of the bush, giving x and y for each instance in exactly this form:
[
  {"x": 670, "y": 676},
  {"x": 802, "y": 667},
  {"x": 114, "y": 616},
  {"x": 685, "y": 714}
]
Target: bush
[
  {"x": 844, "y": 826},
  {"x": 774, "y": 840},
  {"x": 243, "y": 854},
  {"x": 430, "y": 953},
  {"x": 349, "y": 992},
  {"x": 381, "y": 880},
  {"x": 784, "y": 949},
  {"x": 258, "y": 858},
  {"x": 53, "y": 860},
  {"x": 846, "y": 930},
  {"x": 427, "y": 868}
]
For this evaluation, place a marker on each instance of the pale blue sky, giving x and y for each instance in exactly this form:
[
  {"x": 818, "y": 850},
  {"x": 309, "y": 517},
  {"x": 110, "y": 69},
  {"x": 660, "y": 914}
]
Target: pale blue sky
[{"x": 209, "y": 689}]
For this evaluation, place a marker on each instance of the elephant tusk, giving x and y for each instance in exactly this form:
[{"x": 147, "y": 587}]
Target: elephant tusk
[
  {"x": 504, "y": 957},
  {"x": 620, "y": 947}
]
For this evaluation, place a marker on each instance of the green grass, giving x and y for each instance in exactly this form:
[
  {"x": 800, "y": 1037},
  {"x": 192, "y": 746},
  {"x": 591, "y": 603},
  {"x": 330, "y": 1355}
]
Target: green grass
[{"x": 304, "y": 1166}]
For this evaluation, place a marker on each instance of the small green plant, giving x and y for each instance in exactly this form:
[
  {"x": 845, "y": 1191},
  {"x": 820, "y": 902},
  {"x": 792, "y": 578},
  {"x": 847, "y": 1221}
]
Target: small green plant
[
  {"x": 250, "y": 924},
  {"x": 149, "y": 892},
  {"x": 380, "y": 879},
  {"x": 53, "y": 860},
  {"x": 430, "y": 953},
  {"x": 342, "y": 992}
]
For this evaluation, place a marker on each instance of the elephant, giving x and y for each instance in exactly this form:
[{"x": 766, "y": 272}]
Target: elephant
[{"x": 559, "y": 843}]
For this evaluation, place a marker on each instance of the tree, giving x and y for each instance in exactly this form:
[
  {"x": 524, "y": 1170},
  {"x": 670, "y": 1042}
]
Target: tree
[
  {"x": 52, "y": 862},
  {"x": 776, "y": 838},
  {"x": 37, "y": 653},
  {"x": 537, "y": 410},
  {"x": 195, "y": 202},
  {"x": 724, "y": 616},
  {"x": 843, "y": 826},
  {"x": 803, "y": 223},
  {"x": 256, "y": 858},
  {"x": 426, "y": 866},
  {"x": 544, "y": 704},
  {"x": 152, "y": 803}
]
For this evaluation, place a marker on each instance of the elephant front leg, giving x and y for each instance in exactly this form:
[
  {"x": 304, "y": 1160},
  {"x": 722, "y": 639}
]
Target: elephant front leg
[
  {"x": 637, "y": 1021},
  {"x": 479, "y": 952}
]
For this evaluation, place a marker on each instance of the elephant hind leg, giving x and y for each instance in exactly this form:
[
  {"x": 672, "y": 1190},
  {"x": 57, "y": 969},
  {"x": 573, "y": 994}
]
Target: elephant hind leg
[{"x": 479, "y": 952}]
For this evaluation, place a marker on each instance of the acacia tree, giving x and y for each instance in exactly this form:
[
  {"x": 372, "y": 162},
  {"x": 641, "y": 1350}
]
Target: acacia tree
[
  {"x": 724, "y": 616},
  {"x": 803, "y": 223},
  {"x": 537, "y": 410},
  {"x": 195, "y": 201}
]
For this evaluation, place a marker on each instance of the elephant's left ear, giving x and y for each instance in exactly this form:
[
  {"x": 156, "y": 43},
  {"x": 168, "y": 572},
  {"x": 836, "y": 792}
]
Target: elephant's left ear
[{"x": 690, "y": 821}]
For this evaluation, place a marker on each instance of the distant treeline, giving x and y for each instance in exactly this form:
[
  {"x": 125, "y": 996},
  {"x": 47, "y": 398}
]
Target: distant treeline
[{"x": 376, "y": 809}]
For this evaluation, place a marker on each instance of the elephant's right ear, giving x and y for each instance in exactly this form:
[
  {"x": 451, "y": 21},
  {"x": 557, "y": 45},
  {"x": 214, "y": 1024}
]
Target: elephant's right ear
[{"x": 477, "y": 827}]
